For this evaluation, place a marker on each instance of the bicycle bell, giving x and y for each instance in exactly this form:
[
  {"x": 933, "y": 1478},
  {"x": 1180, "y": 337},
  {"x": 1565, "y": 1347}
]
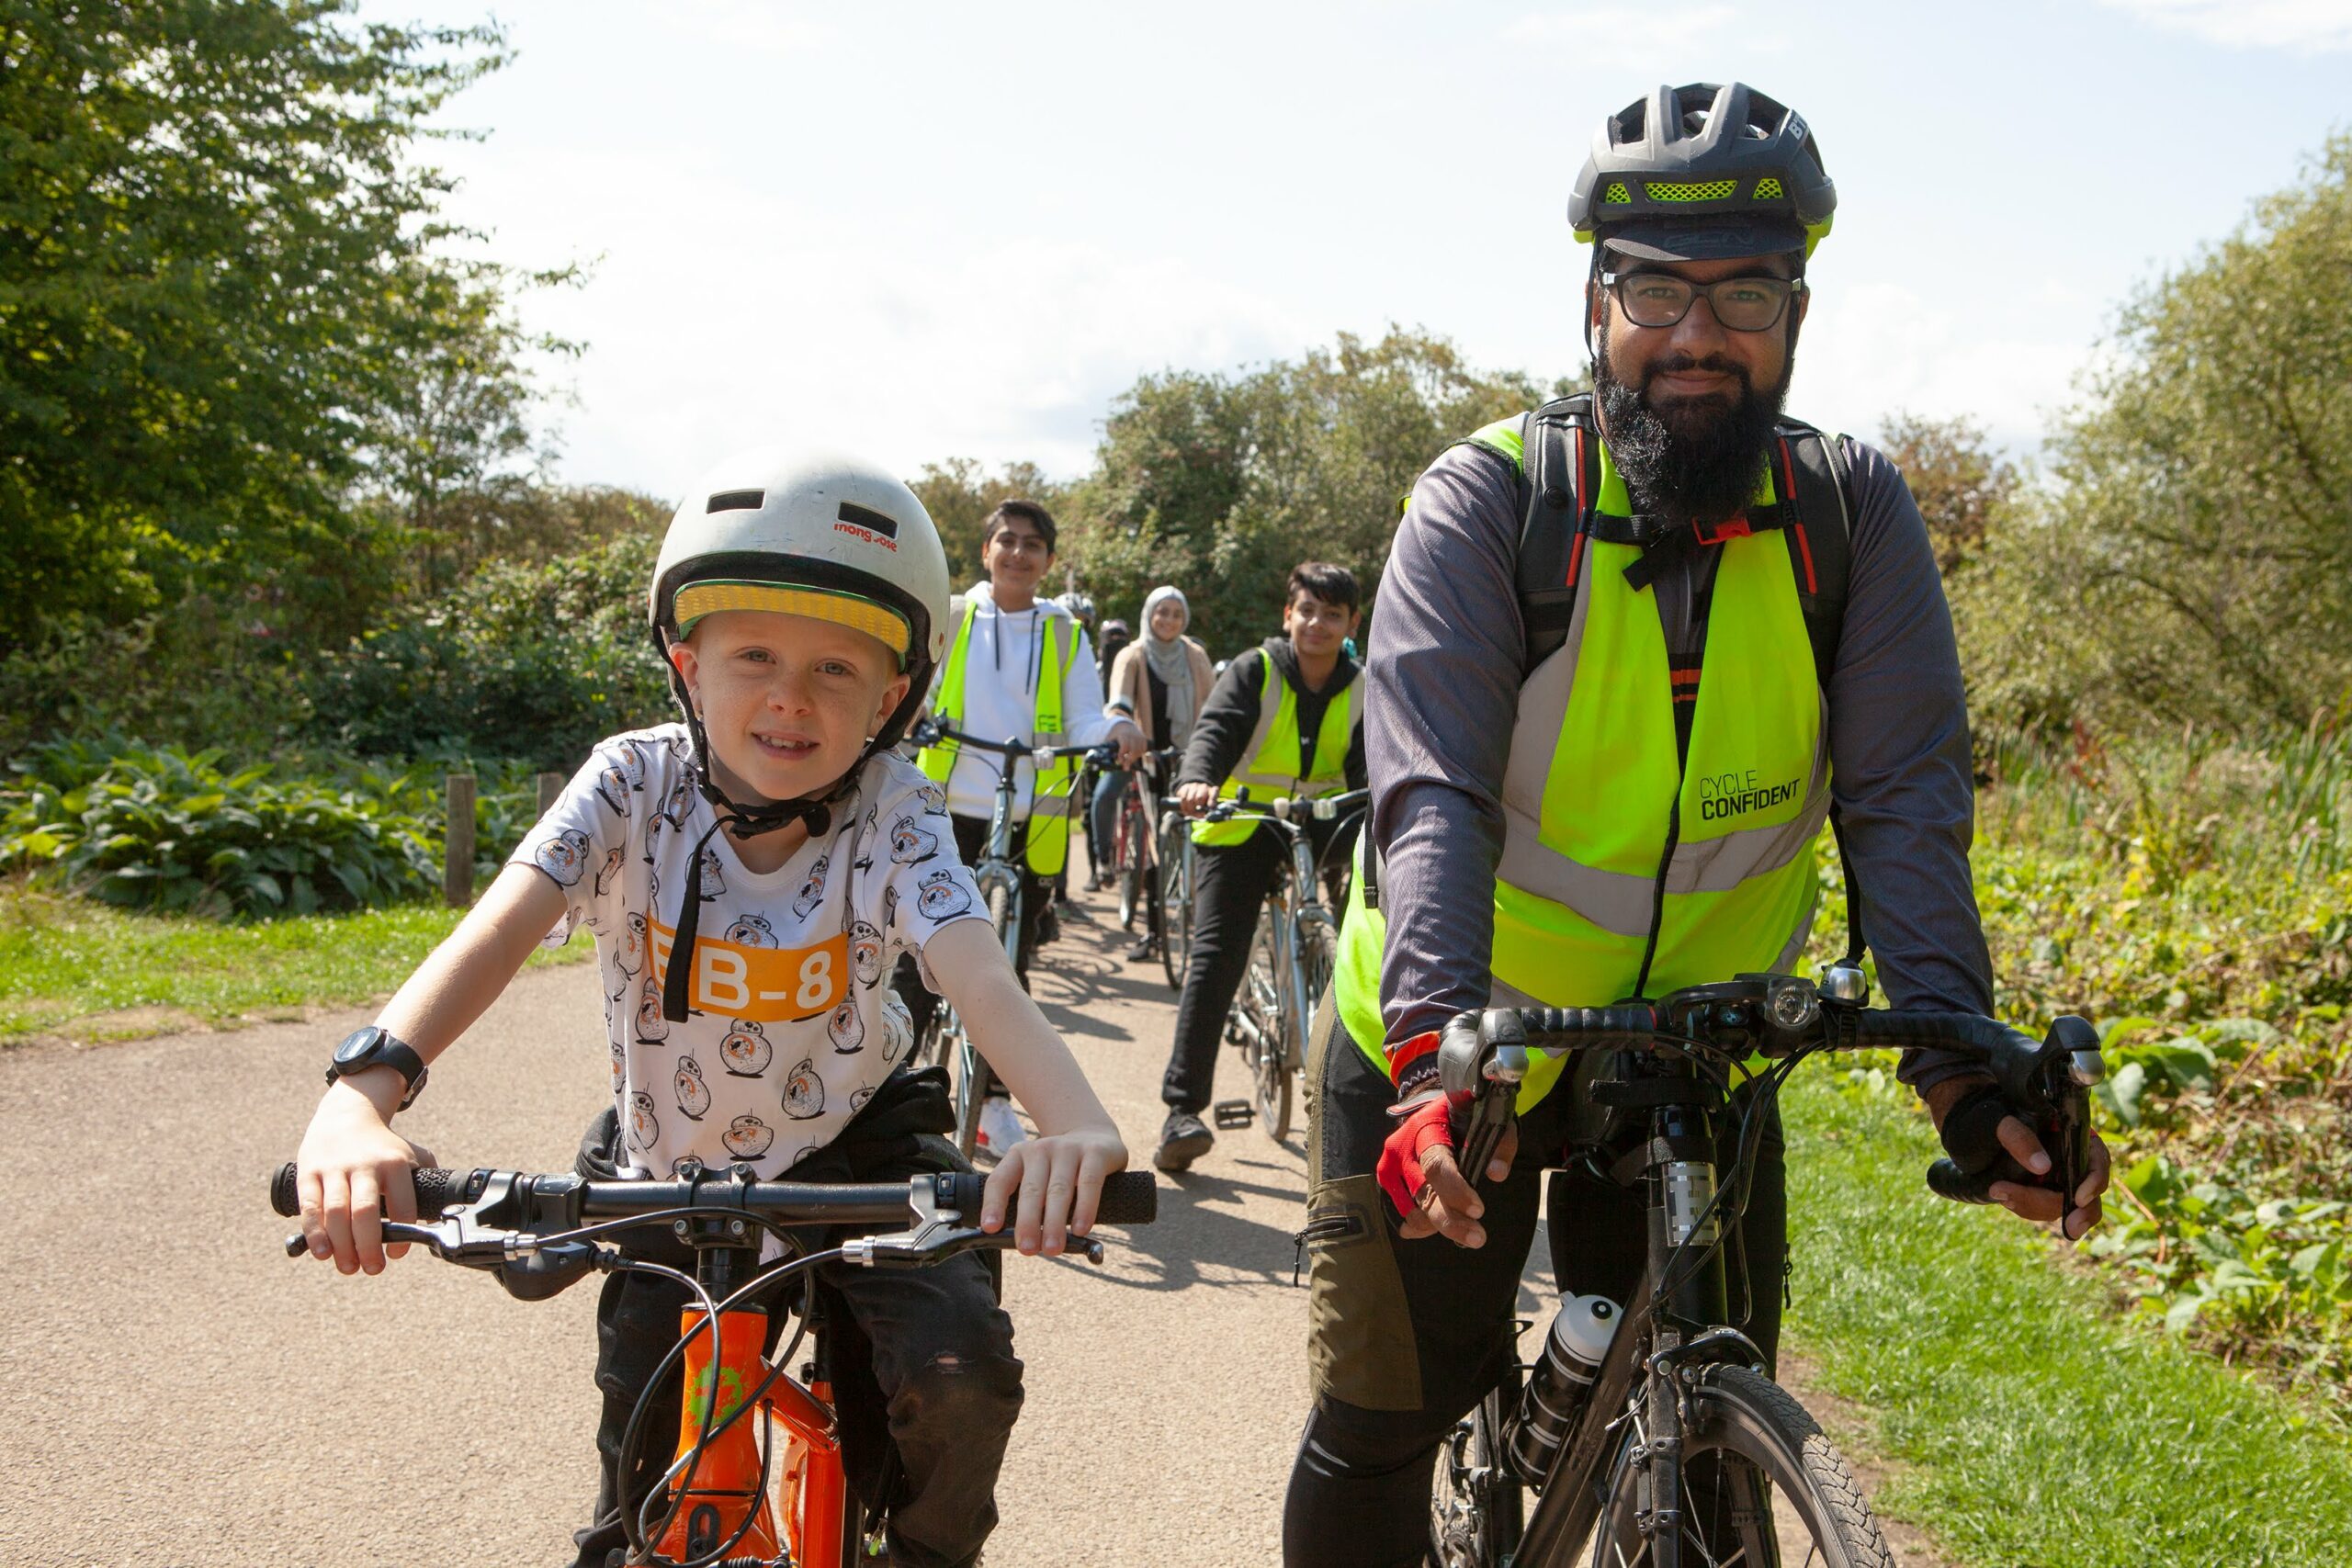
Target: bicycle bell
[{"x": 1845, "y": 982}]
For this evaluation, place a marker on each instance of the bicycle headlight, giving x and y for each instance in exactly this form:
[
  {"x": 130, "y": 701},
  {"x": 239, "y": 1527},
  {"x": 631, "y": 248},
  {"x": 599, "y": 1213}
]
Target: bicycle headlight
[{"x": 1793, "y": 1003}]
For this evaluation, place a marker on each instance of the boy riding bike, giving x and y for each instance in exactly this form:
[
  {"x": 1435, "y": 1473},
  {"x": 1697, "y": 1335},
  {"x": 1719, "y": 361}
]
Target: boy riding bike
[{"x": 749, "y": 875}]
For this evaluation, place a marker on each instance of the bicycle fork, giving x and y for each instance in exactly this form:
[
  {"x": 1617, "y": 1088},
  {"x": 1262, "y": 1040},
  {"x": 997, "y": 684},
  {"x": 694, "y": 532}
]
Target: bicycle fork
[{"x": 722, "y": 1486}]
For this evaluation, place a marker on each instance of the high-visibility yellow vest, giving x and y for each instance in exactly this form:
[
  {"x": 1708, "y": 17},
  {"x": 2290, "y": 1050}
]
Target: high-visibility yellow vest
[
  {"x": 1048, "y": 846},
  {"x": 1269, "y": 768},
  {"x": 1609, "y": 835}
]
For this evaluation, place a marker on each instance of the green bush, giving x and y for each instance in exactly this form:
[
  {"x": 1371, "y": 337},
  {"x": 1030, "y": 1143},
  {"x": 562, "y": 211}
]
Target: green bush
[
  {"x": 165, "y": 828},
  {"x": 196, "y": 675},
  {"x": 531, "y": 661},
  {"x": 65, "y": 796}
]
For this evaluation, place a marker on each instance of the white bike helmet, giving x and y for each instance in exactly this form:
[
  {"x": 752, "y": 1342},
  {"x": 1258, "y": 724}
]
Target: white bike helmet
[{"x": 807, "y": 534}]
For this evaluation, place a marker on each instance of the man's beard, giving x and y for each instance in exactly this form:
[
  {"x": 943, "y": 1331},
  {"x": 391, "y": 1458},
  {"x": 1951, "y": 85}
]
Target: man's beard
[{"x": 1698, "y": 461}]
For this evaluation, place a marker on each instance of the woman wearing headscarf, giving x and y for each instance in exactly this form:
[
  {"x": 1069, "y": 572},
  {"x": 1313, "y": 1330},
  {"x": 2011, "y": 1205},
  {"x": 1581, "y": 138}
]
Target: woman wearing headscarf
[{"x": 1160, "y": 681}]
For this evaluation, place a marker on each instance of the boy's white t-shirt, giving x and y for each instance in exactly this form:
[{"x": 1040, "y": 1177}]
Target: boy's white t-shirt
[{"x": 793, "y": 1021}]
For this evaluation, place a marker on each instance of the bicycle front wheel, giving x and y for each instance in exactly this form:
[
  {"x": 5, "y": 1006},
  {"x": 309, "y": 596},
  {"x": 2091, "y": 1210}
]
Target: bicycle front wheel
[
  {"x": 1264, "y": 1044},
  {"x": 1319, "y": 952},
  {"x": 1134, "y": 830},
  {"x": 1475, "y": 1500},
  {"x": 1751, "y": 1454},
  {"x": 971, "y": 1092},
  {"x": 1175, "y": 898}
]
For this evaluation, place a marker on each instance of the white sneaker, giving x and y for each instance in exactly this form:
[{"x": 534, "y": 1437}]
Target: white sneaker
[{"x": 999, "y": 1128}]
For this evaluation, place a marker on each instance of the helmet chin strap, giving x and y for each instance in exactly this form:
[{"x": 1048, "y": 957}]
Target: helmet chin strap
[{"x": 743, "y": 821}]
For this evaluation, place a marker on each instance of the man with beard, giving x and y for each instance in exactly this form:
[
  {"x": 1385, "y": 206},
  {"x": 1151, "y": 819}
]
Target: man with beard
[{"x": 1625, "y": 645}]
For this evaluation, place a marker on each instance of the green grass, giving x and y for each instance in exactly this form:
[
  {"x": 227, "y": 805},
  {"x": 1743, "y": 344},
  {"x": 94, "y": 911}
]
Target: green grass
[
  {"x": 78, "y": 968},
  {"x": 2031, "y": 1429}
]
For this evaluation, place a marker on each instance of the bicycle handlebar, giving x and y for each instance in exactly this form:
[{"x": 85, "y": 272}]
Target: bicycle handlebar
[
  {"x": 1485, "y": 1055},
  {"x": 507, "y": 1210},
  {"x": 931, "y": 732},
  {"x": 1292, "y": 810}
]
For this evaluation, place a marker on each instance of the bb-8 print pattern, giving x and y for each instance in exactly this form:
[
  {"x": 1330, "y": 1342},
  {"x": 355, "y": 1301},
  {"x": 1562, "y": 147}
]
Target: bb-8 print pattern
[{"x": 722, "y": 1086}]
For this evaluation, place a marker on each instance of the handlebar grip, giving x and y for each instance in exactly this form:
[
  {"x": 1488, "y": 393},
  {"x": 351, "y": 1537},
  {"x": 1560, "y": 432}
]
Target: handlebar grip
[
  {"x": 1588, "y": 1026},
  {"x": 1130, "y": 1198},
  {"x": 436, "y": 1191},
  {"x": 1946, "y": 1180}
]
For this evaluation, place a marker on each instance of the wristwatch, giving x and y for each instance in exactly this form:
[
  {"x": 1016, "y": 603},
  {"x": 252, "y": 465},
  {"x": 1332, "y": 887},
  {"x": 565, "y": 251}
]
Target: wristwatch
[{"x": 378, "y": 1046}]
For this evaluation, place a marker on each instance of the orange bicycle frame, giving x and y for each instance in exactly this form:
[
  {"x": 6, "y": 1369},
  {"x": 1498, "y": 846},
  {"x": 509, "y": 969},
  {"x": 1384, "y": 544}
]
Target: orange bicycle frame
[{"x": 723, "y": 1485}]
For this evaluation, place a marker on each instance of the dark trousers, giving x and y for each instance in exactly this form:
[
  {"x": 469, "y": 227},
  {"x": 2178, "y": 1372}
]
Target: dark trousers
[
  {"x": 1229, "y": 886},
  {"x": 1230, "y": 883},
  {"x": 1102, "y": 816},
  {"x": 1406, "y": 1337},
  {"x": 929, "y": 1347},
  {"x": 972, "y": 844}
]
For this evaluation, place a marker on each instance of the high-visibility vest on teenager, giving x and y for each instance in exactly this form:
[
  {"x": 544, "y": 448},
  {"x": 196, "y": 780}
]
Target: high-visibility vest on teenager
[
  {"x": 1661, "y": 805},
  {"x": 1048, "y": 846},
  {"x": 1270, "y": 769}
]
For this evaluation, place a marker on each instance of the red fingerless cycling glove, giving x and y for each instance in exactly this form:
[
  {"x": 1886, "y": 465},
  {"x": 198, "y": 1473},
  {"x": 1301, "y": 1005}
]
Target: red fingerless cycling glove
[{"x": 1428, "y": 1125}]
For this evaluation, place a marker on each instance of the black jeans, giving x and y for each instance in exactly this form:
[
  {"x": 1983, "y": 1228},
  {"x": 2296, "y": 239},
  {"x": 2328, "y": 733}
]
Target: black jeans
[
  {"x": 1405, "y": 1336},
  {"x": 1229, "y": 886},
  {"x": 923, "y": 1362},
  {"x": 972, "y": 844}
]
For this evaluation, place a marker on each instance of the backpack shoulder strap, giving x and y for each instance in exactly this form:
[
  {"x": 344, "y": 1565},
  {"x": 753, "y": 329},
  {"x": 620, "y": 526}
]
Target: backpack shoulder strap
[
  {"x": 1817, "y": 523},
  {"x": 1557, "y": 483}
]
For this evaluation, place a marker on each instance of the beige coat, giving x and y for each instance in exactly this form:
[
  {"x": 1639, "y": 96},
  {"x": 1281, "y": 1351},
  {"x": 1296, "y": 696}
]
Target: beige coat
[{"x": 1130, "y": 691}]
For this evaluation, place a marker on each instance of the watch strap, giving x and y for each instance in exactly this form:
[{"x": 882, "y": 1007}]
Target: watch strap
[{"x": 388, "y": 1051}]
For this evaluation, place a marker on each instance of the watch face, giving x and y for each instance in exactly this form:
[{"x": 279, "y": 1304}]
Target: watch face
[{"x": 357, "y": 1047}]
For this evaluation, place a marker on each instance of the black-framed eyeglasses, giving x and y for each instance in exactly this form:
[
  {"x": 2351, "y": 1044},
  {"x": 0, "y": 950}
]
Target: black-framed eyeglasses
[{"x": 1661, "y": 299}]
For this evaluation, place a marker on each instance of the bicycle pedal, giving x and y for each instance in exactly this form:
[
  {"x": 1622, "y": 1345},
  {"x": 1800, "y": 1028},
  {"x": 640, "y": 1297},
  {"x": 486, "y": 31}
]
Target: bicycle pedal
[{"x": 1231, "y": 1113}]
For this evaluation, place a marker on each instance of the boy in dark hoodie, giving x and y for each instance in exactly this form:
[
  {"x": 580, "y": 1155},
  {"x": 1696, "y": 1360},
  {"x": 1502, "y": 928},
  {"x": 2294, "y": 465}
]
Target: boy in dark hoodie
[{"x": 1283, "y": 721}]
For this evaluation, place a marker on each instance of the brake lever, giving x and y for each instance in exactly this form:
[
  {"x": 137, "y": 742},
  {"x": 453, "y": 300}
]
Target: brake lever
[
  {"x": 401, "y": 1233},
  {"x": 923, "y": 1246},
  {"x": 936, "y": 1232}
]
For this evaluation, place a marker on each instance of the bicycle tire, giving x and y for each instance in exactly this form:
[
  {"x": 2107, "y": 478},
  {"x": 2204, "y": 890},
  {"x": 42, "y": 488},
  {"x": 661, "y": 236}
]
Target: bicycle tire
[
  {"x": 1175, "y": 898},
  {"x": 1772, "y": 1446},
  {"x": 1318, "y": 955},
  {"x": 1133, "y": 828},
  {"x": 971, "y": 1092},
  {"x": 1476, "y": 1508},
  {"x": 1268, "y": 1052},
  {"x": 970, "y": 1070}
]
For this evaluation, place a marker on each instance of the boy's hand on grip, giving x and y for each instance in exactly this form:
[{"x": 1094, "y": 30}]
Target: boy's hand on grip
[
  {"x": 353, "y": 1175},
  {"x": 1052, "y": 1186}
]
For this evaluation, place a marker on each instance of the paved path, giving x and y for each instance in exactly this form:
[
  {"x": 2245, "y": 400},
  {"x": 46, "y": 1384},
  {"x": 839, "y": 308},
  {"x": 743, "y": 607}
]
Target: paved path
[{"x": 176, "y": 1391}]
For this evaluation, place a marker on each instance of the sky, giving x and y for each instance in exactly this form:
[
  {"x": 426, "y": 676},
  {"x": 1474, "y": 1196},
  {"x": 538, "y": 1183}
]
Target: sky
[{"x": 926, "y": 230}]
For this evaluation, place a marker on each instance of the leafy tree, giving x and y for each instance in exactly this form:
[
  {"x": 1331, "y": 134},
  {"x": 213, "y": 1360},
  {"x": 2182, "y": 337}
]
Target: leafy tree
[
  {"x": 1959, "y": 482},
  {"x": 2195, "y": 564},
  {"x": 451, "y": 457},
  {"x": 222, "y": 285},
  {"x": 1221, "y": 484}
]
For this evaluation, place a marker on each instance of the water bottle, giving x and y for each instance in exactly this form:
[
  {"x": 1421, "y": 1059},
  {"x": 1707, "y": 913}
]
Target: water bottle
[{"x": 1560, "y": 1381}]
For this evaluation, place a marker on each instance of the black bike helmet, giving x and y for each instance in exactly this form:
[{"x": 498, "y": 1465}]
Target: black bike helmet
[{"x": 1700, "y": 172}]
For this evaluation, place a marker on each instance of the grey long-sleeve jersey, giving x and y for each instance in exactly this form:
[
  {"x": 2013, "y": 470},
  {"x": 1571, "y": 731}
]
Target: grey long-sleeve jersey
[{"x": 1443, "y": 677}]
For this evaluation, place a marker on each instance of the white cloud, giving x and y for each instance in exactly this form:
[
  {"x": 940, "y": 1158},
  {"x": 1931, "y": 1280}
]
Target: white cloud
[
  {"x": 750, "y": 26},
  {"x": 1626, "y": 35},
  {"x": 1874, "y": 348},
  {"x": 2250, "y": 23},
  {"x": 864, "y": 330}
]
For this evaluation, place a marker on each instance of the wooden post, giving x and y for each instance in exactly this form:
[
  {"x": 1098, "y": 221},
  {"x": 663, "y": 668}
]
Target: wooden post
[
  {"x": 457, "y": 854},
  {"x": 550, "y": 788}
]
